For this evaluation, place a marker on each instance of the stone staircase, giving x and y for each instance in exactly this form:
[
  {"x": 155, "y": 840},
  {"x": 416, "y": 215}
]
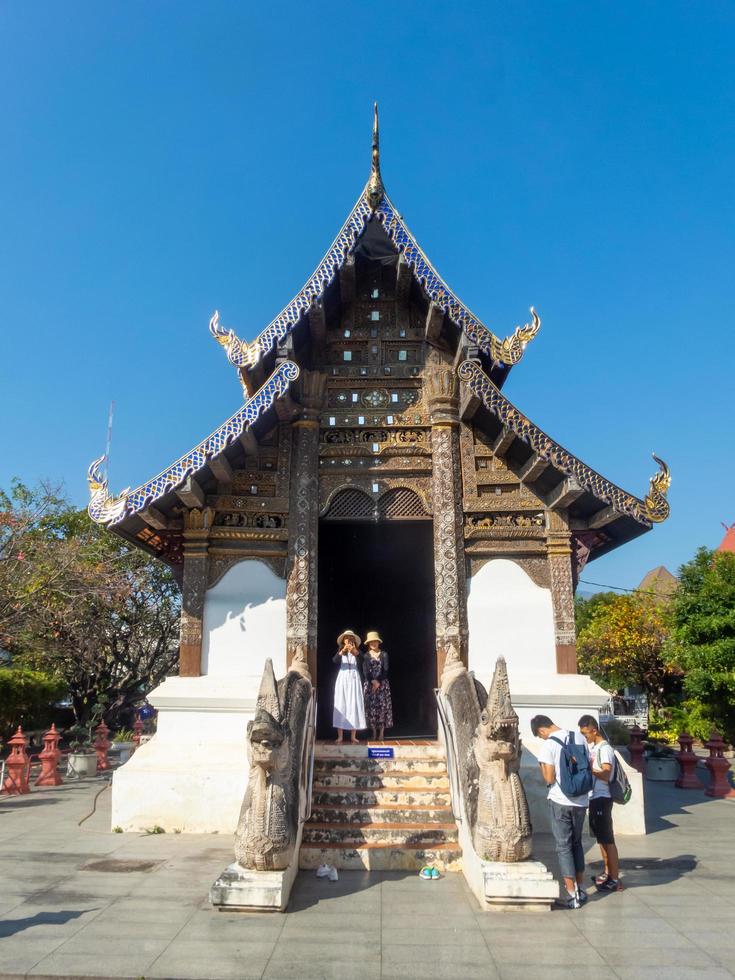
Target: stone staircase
[{"x": 381, "y": 814}]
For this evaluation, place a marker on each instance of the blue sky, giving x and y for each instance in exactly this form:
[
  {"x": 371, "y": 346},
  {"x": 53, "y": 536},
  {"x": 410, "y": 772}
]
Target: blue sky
[{"x": 160, "y": 160}]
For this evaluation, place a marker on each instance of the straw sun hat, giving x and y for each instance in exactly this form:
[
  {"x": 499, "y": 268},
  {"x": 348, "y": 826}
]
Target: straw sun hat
[
  {"x": 351, "y": 633},
  {"x": 373, "y": 635}
]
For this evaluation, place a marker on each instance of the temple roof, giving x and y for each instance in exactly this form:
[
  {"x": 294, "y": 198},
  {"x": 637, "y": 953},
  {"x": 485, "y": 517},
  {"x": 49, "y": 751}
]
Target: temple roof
[
  {"x": 601, "y": 514},
  {"x": 375, "y": 205}
]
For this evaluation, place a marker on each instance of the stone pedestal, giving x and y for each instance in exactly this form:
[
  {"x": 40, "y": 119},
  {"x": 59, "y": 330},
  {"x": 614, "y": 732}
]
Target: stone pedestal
[
  {"x": 241, "y": 890},
  {"x": 526, "y": 885}
]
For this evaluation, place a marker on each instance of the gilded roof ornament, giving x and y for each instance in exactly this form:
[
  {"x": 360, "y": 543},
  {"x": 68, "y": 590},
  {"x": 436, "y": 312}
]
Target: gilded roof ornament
[
  {"x": 653, "y": 509},
  {"x": 375, "y": 190},
  {"x": 104, "y": 509},
  {"x": 239, "y": 352},
  {"x": 656, "y": 504}
]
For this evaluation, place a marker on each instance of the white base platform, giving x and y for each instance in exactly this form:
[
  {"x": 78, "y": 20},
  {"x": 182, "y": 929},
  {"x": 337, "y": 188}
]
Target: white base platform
[
  {"x": 191, "y": 776},
  {"x": 256, "y": 891},
  {"x": 526, "y": 885}
]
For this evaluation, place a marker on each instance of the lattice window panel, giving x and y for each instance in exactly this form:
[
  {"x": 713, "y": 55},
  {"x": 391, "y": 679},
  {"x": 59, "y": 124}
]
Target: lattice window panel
[
  {"x": 351, "y": 504},
  {"x": 400, "y": 503}
]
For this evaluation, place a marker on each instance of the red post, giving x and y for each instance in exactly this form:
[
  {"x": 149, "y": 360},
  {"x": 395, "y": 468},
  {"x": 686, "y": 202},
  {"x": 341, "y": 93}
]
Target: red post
[
  {"x": 101, "y": 746},
  {"x": 17, "y": 766},
  {"x": 718, "y": 767},
  {"x": 687, "y": 760},
  {"x": 138, "y": 727},
  {"x": 636, "y": 748},
  {"x": 49, "y": 775}
]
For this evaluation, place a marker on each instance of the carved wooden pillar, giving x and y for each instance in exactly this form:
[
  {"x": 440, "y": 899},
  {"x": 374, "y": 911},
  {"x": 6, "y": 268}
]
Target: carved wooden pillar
[
  {"x": 446, "y": 489},
  {"x": 301, "y": 589},
  {"x": 193, "y": 590},
  {"x": 562, "y": 592}
]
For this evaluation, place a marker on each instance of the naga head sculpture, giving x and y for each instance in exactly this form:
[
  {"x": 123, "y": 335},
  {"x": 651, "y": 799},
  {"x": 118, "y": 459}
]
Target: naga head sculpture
[
  {"x": 268, "y": 733},
  {"x": 497, "y": 734}
]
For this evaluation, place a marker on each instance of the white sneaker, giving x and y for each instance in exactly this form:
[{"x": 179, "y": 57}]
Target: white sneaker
[
  {"x": 333, "y": 876},
  {"x": 322, "y": 871}
]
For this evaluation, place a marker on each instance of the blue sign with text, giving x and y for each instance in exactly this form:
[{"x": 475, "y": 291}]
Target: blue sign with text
[{"x": 383, "y": 752}]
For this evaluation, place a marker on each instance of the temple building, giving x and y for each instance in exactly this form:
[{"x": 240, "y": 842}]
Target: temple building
[{"x": 375, "y": 476}]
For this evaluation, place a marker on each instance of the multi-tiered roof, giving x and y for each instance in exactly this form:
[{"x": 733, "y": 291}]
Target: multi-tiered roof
[{"x": 604, "y": 515}]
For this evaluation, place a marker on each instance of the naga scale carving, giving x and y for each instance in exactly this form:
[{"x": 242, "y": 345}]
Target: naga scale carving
[
  {"x": 267, "y": 830},
  {"x": 488, "y": 753}
]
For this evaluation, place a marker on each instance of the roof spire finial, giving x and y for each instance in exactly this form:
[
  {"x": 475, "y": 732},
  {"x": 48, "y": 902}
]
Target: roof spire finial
[{"x": 375, "y": 189}]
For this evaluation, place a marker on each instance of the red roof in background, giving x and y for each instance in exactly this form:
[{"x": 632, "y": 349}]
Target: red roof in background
[{"x": 728, "y": 542}]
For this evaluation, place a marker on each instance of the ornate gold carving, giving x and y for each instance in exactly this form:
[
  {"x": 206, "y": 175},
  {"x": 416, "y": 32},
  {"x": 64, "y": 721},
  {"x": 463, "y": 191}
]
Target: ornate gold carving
[
  {"x": 655, "y": 502},
  {"x": 239, "y": 352},
  {"x": 374, "y": 190}
]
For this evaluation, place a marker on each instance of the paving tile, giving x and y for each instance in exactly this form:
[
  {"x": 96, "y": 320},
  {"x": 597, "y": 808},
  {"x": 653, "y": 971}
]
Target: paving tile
[
  {"x": 673, "y": 973},
  {"x": 626, "y": 957},
  {"x": 553, "y": 972},
  {"x": 348, "y": 970},
  {"x": 133, "y": 964},
  {"x": 580, "y": 954},
  {"x": 434, "y": 934},
  {"x": 214, "y": 967},
  {"x": 442, "y": 962},
  {"x": 351, "y": 948}
]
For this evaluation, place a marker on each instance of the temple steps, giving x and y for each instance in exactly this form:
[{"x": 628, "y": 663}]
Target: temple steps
[
  {"x": 380, "y": 814},
  {"x": 381, "y": 857},
  {"x": 392, "y": 780},
  {"x": 406, "y": 796}
]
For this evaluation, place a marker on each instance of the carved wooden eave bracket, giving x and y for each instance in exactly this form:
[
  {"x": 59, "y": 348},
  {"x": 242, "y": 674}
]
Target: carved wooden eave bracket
[
  {"x": 652, "y": 509},
  {"x": 374, "y": 204},
  {"x": 104, "y": 509}
]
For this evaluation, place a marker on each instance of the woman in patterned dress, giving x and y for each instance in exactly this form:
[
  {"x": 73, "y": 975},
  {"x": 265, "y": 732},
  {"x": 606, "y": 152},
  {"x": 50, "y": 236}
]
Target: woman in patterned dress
[{"x": 376, "y": 687}]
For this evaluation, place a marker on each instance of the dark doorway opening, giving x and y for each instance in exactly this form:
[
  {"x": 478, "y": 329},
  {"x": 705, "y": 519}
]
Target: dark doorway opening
[{"x": 380, "y": 576}]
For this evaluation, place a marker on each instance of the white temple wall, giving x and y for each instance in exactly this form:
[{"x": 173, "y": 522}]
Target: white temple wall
[
  {"x": 192, "y": 774},
  {"x": 509, "y": 616},
  {"x": 245, "y": 622}
]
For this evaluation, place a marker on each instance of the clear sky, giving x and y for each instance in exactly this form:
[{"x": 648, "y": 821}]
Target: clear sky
[{"x": 163, "y": 159}]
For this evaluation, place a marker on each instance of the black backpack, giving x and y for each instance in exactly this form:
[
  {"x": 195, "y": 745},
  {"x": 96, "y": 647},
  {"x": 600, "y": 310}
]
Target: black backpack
[
  {"x": 620, "y": 788},
  {"x": 575, "y": 771}
]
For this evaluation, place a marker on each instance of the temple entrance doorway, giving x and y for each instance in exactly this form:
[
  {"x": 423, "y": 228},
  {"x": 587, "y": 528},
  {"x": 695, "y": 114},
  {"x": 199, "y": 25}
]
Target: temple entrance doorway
[{"x": 379, "y": 575}]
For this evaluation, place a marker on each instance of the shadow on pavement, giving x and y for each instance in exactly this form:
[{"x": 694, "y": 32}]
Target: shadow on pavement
[{"x": 10, "y": 927}]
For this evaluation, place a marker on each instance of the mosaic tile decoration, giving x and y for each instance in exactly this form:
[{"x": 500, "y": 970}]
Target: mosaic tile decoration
[
  {"x": 651, "y": 510},
  {"x": 506, "y": 351},
  {"x": 104, "y": 509}
]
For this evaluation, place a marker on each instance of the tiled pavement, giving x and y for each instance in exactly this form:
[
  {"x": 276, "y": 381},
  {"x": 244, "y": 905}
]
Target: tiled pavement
[{"x": 59, "y": 916}]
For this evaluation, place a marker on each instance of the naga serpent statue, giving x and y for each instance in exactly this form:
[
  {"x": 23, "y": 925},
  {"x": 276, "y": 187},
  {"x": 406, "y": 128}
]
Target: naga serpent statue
[
  {"x": 266, "y": 833},
  {"x": 488, "y": 754},
  {"x": 503, "y": 828}
]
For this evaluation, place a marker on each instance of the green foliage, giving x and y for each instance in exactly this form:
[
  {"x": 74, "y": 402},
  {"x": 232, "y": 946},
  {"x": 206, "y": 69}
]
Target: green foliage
[
  {"x": 622, "y": 644},
  {"x": 585, "y": 609},
  {"x": 689, "y": 716},
  {"x": 123, "y": 735},
  {"x": 27, "y": 698},
  {"x": 703, "y": 639},
  {"x": 78, "y": 602}
]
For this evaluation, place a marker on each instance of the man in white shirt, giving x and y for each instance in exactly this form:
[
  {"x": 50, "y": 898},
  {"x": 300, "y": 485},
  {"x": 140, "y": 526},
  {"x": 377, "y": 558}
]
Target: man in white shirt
[
  {"x": 602, "y": 759},
  {"x": 566, "y": 813}
]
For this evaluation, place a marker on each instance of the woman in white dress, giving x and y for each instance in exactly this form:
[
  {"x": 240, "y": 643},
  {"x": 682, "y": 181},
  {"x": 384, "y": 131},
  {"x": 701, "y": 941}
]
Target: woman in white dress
[{"x": 349, "y": 703}]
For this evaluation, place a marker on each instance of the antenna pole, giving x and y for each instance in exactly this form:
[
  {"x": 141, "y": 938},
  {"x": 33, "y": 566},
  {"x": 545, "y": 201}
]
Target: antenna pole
[{"x": 108, "y": 445}]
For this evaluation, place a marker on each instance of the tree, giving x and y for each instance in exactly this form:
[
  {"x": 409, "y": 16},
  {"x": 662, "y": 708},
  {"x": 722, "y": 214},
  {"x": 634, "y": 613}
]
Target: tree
[
  {"x": 585, "y": 608},
  {"x": 623, "y": 644},
  {"x": 703, "y": 638},
  {"x": 90, "y": 609}
]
